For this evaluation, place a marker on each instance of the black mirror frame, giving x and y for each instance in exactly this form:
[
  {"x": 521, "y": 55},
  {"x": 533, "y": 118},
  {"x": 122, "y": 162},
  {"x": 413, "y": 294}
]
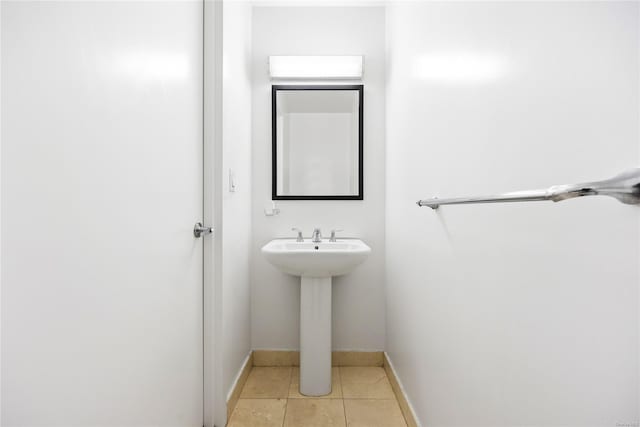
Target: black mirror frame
[{"x": 274, "y": 139}]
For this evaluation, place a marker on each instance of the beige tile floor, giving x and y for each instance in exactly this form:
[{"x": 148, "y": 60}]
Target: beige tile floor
[{"x": 360, "y": 397}]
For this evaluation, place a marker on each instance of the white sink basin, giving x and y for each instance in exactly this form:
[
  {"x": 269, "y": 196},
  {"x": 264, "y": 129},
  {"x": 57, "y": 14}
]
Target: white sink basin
[
  {"x": 315, "y": 263},
  {"x": 316, "y": 259}
]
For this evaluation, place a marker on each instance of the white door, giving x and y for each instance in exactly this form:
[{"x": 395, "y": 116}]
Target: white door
[{"x": 101, "y": 187}]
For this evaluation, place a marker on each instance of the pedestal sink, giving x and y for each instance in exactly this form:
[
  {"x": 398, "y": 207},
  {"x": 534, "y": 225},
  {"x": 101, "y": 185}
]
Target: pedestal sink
[{"x": 315, "y": 263}]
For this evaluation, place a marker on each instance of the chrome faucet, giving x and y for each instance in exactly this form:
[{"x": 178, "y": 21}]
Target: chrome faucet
[{"x": 316, "y": 237}]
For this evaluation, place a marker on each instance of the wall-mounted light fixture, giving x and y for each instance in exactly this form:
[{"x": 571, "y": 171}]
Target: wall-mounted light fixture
[{"x": 316, "y": 67}]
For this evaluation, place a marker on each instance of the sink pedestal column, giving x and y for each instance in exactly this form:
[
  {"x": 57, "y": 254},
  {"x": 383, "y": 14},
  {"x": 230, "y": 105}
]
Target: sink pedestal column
[{"x": 315, "y": 336}]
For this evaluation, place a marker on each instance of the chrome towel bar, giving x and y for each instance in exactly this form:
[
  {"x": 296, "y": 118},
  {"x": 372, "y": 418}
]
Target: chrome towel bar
[{"x": 624, "y": 187}]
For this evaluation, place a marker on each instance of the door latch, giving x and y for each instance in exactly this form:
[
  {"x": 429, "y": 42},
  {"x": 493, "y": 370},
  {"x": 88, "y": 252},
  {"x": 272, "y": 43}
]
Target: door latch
[{"x": 199, "y": 230}]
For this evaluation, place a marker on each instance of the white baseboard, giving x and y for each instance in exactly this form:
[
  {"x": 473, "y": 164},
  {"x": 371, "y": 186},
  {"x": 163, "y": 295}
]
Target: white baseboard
[
  {"x": 402, "y": 390},
  {"x": 246, "y": 361}
]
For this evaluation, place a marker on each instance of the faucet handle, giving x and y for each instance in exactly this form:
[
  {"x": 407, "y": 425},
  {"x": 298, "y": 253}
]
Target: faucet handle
[
  {"x": 333, "y": 234},
  {"x": 299, "y": 238}
]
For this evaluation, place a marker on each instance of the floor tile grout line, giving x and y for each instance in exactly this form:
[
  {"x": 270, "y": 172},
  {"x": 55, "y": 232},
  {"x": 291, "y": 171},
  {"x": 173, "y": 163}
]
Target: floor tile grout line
[
  {"x": 286, "y": 402},
  {"x": 286, "y": 406},
  {"x": 290, "y": 383},
  {"x": 344, "y": 406}
]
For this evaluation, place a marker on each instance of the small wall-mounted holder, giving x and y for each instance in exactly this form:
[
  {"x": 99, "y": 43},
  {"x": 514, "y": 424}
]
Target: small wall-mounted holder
[{"x": 273, "y": 210}]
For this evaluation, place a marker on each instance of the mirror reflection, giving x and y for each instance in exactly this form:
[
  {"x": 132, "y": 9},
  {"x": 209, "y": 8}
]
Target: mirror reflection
[{"x": 317, "y": 142}]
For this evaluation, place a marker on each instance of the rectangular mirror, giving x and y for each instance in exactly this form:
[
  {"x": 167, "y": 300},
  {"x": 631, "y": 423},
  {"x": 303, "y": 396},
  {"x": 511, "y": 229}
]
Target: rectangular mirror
[{"x": 317, "y": 142}]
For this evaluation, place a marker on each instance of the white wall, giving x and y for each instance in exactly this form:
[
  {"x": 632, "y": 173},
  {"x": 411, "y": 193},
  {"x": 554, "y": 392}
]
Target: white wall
[
  {"x": 236, "y": 206},
  {"x": 512, "y": 314},
  {"x": 358, "y": 299}
]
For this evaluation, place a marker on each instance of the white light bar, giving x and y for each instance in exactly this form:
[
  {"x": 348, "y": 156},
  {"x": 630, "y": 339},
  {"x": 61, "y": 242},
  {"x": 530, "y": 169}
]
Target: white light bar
[{"x": 316, "y": 67}]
